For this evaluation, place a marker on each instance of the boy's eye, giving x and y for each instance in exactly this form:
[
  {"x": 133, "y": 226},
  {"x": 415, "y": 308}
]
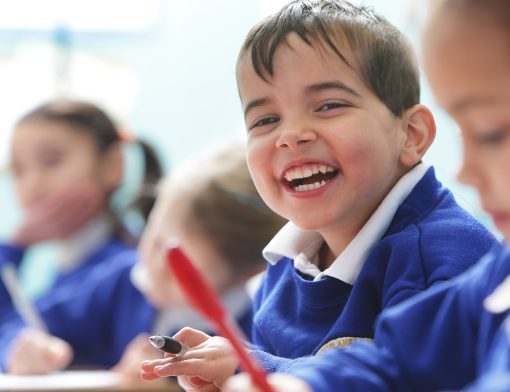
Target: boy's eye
[
  {"x": 330, "y": 106},
  {"x": 264, "y": 121}
]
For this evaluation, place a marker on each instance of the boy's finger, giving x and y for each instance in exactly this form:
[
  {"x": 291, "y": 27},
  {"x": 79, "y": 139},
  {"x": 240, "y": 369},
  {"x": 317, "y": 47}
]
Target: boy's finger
[
  {"x": 197, "y": 381},
  {"x": 191, "y": 337},
  {"x": 148, "y": 376},
  {"x": 188, "y": 367},
  {"x": 149, "y": 366}
]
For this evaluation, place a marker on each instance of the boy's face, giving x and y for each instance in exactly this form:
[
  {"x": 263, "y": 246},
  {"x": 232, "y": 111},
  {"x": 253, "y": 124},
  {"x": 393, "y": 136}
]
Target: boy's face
[
  {"x": 468, "y": 66},
  {"x": 322, "y": 149}
]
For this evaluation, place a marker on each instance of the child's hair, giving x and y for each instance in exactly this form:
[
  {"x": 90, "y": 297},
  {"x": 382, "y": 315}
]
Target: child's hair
[
  {"x": 89, "y": 118},
  {"x": 384, "y": 57},
  {"x": 222, "y": 203}
]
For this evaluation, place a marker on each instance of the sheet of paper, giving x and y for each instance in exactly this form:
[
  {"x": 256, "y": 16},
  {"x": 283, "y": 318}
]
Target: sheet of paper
[{"x": 61, "y": 380}]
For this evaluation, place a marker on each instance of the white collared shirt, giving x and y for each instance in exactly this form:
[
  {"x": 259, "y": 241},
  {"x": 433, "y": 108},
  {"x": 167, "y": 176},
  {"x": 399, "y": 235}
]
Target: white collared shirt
[{"x": 303, "y": 245}]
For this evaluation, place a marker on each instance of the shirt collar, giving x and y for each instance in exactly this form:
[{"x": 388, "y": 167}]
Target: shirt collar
[{"x": 302, "y": 245}]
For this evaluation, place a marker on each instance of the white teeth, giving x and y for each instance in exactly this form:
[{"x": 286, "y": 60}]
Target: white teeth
[
  {"x": 310, "y": 187},
  {"x": 299, "y": 173}
]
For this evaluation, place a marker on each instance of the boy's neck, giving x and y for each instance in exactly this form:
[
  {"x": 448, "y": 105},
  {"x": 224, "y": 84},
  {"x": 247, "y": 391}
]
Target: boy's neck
[{"x": 326, "y": 257}]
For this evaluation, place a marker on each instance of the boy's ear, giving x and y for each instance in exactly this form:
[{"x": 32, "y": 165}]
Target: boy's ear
[
  {"x": 113, "y": 167},
  {"x": 420, "y": 133}
]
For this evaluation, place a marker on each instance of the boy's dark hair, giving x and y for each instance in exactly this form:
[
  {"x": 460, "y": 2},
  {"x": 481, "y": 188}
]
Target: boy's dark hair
[{"x": 384, "y": 57}]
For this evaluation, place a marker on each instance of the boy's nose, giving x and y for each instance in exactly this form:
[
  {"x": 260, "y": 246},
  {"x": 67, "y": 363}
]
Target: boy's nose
[{"x": 294, "y": 137}]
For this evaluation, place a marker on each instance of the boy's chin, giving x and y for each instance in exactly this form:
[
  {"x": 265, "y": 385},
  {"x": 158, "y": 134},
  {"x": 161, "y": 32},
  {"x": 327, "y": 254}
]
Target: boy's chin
[{"x": 306, "y": 224}]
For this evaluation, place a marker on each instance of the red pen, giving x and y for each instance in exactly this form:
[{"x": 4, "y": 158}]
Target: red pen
[{"x": 201, "y": 295}]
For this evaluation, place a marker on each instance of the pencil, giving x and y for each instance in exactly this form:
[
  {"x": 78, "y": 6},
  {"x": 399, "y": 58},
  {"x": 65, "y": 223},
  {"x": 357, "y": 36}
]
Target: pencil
[{"x": 22, "y": 303}]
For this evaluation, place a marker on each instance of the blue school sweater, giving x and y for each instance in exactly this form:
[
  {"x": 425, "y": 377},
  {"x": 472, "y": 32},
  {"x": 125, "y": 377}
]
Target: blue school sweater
[
  {"x": 90, "y": 308},
  {"x": 443, "y": 339},
  {"x": 98, "y": 314},
  {"x": 13, "y": 255},
  {"x": 429, "y": 240},
  {"x": 65, "y": 280}
]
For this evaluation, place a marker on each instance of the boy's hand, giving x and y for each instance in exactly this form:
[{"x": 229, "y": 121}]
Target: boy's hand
[
  {"x": 207, "y": 364},
  {"x": 136, "y": 351},
  {"x": 35, "y": 352},
  {"x": 196, "y": 384},
  {"x": 58, "y": 216},
  {"x": 278, "y": 381}
]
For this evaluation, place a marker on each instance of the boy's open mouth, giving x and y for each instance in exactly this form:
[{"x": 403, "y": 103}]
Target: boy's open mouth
[{"x": 308, "y": 178}]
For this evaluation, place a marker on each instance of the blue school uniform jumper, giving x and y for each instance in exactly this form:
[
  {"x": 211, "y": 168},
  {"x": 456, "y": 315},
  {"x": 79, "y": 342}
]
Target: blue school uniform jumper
[
  {"x": 65, "y": 280},
  {"x": 454, "y": 336},
  {"x": 92, "y": 245},
  {"x": 84, "y": 308},
  {"x": 99, "y": 312},
  {"x": 428, "y": 238}
]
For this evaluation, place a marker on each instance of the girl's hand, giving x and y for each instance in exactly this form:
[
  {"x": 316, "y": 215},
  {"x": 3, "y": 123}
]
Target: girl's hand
[
  {"x": 206, "y": 366},
  {"x": 136, "y": 351},
  {"x": 58, "y": 217},
  {"x": 35, "y": 352},
  {"x": 279, "y": 381}
]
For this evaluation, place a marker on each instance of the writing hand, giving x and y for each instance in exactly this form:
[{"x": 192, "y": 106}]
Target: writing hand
[{"x": 35, "y": 352}]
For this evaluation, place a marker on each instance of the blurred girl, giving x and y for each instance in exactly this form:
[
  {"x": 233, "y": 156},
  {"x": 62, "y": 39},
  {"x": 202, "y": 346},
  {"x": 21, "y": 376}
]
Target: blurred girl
[{"x": 66, "y": 161}]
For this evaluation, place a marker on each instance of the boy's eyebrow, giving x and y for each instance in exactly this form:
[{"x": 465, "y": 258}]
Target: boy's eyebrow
[
  {"x": 334, "y": 84},
  {"x": 329, "y": 85},
  {"x": 254, "y": 104}
]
